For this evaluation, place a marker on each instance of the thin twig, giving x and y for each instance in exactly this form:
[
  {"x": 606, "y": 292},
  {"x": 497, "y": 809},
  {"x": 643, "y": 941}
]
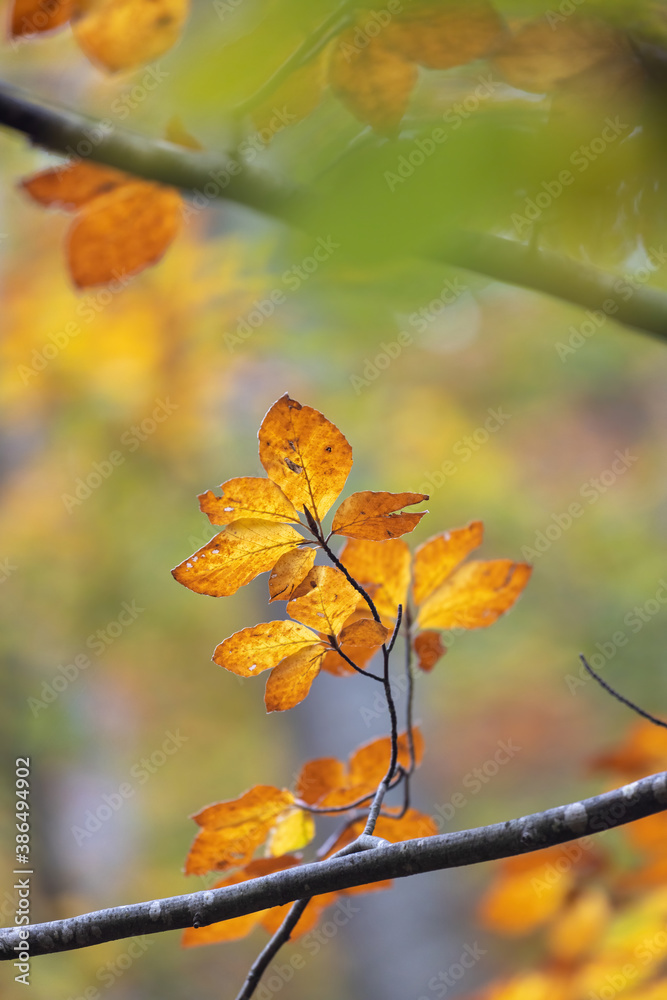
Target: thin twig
[
  {"x": 281, "y": 937},
  {"x": 397, "y": 628},
  {"x": 348, "y": 576},
  {"x": 619, "y": 697},
  {"x": 350, "y": 662},
  {"x": 326, "y": 810}
]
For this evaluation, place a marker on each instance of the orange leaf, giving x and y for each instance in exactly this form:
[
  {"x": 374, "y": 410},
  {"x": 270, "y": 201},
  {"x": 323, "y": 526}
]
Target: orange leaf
[
  {"x": 538, "y": 58},
  {"x": 371, "y": 515},
  {"x": 122, "y": 232},
  {"x": 233, "y": 830},
  {"x": 643, "y": 752},
  {"x": 372, "y": 81},
  {"x": 435, "y": 559},
  {"x": 72, "y": 185},
  {"x": 289, "y": 573},
  {"x": 578, "y": 930},
  {"x": 290, "y": 682},
  {"x": 30, "y": 17},
  {"x": 328, "y": 603},
  {"x": 237, "y": 927},
  {"x": 365, "y": 632},
  {"x": 386, "y": 564},
  {"x": 475, "y": 595},
  {"x": 429, "y": 648},
  {"x": 305, "y": 454},
  {"x": 247, "y": 497},
  {"x": 122, "y": 34},
  {"x": 441, "y": 36},
  {"x": 236, "y": 556},
  {"x": 411, "y": 826},
  {"x": 318, "y": 777},
  {"x": 262, "y": 647}
]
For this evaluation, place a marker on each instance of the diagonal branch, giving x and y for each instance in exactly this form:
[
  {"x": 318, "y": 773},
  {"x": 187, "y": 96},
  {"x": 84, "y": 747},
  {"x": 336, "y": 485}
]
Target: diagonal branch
[{"x": 452, "y": 850}]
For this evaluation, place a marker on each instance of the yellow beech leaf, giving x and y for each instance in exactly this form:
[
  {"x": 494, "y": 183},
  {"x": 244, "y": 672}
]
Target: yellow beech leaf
[
  {"x": 122, "y": 34},
  {"x": 365, "y": 632},
  {"x": 440, "y": 36},
  {"x": 237, "y": 927},
  {"x": 72, "y": 185},
  {"x": 475, "y": 595},
  {"x": 293, "y": 100},
  {"x": 305, "y": 454},
  {"x": 247, "y": 497},
  {"x": 236, "y": 556},
  {"x": 292, "y": 832},
  {"x": 539, "y": 58},
  {"x": 373, "y": 515},
  {"x": 262, "y": 647},
  {"x": 579, "y": 928},
  {"x": 231, "y": 831},
  {"x": 328, "y": 602},
  {"x": 373, "y": 82},
  {"x": 385, "y": 564},
  {"x": 29, "y": 17},
  {"x": 289, "y": 573},
  {"x": 429, "y": 649},
  {"x": 290, "y": 682},
  {"x": 438, "y": 557},
  {"x": 334, "y": 663},
  {"x": 122, "y": 232}
]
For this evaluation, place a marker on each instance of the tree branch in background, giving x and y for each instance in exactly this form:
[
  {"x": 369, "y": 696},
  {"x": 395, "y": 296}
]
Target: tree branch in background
[{"x": 452, "y": 850}]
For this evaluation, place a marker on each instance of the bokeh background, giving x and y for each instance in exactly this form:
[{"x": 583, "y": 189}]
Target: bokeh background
[{"x": 429, "y": 416}]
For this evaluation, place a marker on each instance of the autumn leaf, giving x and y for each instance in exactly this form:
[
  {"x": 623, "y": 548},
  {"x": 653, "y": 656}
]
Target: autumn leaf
[
  {"x": 247, "y": 497},
  {"x": 373, "y": 82},
  {"x": 475, "y": 595},
  {"x": 305, "y": 454},
  {"x": 294, "y": 830},
  {"x": 385, "y": 564},
  {"x": 237, "y": 927},
  {"x": 642, "y": 752},
  {"x": 122, "y": 34},
  {"x": 411, "y": 826},
  {"x": 73, "y": 184},
  {"x": 328, "y": 602},
  {"x": 262, "y": 647},
  {"x": 436, "y": 558},
  {"x": 429, "y": 649},
  {"x": 439, "y": 36},
  {"x": 29, "y": 17},
  {"x": 578, "y": 929},
  {"x": 364, "y": 632},
  {"x": 289, "y": 573},
  {"x": 290, "y": 682},
  {"x": 236, "y": 556},
  {"x": 372, "y": 515},
  {"x": 231, "y": 831}
]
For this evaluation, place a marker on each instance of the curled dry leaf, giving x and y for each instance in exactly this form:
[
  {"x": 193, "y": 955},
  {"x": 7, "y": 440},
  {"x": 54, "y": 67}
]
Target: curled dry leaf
[
  {"x": 439, "y": 36},
  {"x": 429, "y": 649},
  {"x": 290, "y": 682},
  {"x": 384, "y": 564},
  {"x": 374, "y": 82},
  {"x": 122, "y": 34},
  {"x": 122, "y": 232},
  {"x": 289, "y": 573},
  {"x": 373, "y": 516},
  {"x": 231, "y": 831},
  {"x": 236, "y": 556},
  {"x": 436, "y": 558},
  {"x": 305, "y": 454},
  {"x": 475, "y": 595},
  {"x": 252, "y": 650},
  {"x": 328, "y": 601},
  {"x": 247, "y": 497}
]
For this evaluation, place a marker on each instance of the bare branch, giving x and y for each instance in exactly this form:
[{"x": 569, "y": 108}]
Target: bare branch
[{"x": 452, "y": 850}]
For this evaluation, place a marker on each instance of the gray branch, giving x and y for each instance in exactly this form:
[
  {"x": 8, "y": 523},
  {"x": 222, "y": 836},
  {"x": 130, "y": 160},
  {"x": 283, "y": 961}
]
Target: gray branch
[
  {"x": 210, "y": 176},
  {"x": 452, "y": 850}
]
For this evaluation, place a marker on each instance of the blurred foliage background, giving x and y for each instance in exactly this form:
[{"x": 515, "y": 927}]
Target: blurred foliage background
[{"x": 420, "y": 410}]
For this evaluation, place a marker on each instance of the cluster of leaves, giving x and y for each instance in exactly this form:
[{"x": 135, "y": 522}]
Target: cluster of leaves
[
  {"x": 341, "y": 616},
  {"x": 602, "y": 911},
  {"x": 370, "y": 64}
]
